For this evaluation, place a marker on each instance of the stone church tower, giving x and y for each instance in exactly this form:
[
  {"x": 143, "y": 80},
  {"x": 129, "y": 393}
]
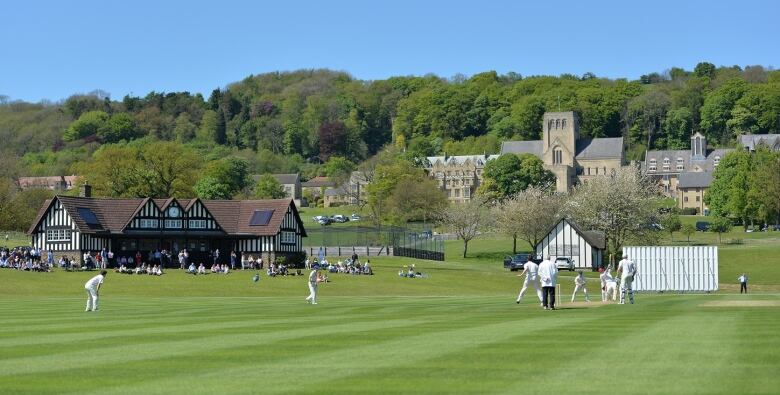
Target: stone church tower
[{"x": 559, "y": 147}]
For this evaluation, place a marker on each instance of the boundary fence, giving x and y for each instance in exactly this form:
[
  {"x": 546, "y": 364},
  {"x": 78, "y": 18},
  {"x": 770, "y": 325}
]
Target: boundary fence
[{"x": 373, "y": 241}]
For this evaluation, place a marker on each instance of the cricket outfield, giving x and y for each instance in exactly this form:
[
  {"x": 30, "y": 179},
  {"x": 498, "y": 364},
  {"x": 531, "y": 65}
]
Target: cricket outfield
[{"x": 458, "y": 331}]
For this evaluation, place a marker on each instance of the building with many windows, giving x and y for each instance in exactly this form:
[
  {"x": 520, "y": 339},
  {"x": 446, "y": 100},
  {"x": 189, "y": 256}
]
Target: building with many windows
[
  {"x": 74, "y": 225},
  {"x": 685, "y": 174},
  {"x": 458, "y": 176}
]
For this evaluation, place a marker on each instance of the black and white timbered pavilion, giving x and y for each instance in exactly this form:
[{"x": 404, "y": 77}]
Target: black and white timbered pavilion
[
  {"x": 75, "y": 225},
  {"x": 566, "y": 239}
]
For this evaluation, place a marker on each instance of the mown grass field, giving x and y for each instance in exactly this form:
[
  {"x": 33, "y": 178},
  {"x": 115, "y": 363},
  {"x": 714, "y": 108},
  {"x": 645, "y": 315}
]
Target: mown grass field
[{"x": 458, "y": 331}]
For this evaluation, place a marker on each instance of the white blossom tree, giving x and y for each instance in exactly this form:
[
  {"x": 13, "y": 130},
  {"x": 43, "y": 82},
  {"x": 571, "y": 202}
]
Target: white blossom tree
[
  {"x": 466, "y": 220},
  {"x": 528, "y": 215},
  {"x": 623, "y": 206}
]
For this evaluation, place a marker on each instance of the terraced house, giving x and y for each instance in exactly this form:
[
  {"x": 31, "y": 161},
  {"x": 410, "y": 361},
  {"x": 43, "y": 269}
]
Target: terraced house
[{"x": 75, "y": 225}]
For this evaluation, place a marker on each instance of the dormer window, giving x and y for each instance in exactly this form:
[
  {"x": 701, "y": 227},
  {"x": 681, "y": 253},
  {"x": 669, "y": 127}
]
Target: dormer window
[
  {"x": 716, "y": 160},
  {"x": 652, "y": 161}
]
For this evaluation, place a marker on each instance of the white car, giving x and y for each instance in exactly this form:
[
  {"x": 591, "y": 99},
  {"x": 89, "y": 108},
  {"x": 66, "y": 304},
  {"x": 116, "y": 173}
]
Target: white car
[{"x": 563, "y": 263}]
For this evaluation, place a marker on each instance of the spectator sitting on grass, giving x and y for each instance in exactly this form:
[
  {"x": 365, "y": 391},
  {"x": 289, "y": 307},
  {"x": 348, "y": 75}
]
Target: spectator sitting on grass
[
  {"x": 192, "y": 269},
  {"x": 367, "y": 268},
  {"x": 272, "y": 270},
  {"x": 201, "y": 268}
]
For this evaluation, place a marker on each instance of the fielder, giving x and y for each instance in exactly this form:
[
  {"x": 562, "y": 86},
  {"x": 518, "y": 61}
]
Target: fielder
[
  {"x": 314, "y": 278},
  {"x": 579, "y": 284},
  {"x": 608, "y": 285},
  {"x": 627, "y": 271},
  {"x": 530, "y": 270},
  {"x": 93, "y": 286}
]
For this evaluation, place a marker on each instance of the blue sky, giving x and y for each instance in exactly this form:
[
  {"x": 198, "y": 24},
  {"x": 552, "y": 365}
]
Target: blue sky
[{"x": 52, "y": 49}]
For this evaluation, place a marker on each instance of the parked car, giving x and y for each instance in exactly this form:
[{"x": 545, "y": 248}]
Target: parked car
[
  {"x": 702, "y": 226},
  {"x": 426, "y": 234},
  {"x": 563, "y": 263},
  {"x": 776, "y": 227},
  {"x": 339, "y": 218},
  {"x": 355, "y": 217},
  {"x": 319, "y": 218},
  {"x": 324, "y": 221},
  {"x": 516, "y": 262}
]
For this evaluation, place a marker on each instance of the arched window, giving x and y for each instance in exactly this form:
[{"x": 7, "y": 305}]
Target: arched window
[
  {"x": 549, "y": 125},
  {"x": 557, "y": 123},
  {"x": 666, "y": 161},
  {"x": 557, "y": 156},
  {"x": 563, "y": 124}
]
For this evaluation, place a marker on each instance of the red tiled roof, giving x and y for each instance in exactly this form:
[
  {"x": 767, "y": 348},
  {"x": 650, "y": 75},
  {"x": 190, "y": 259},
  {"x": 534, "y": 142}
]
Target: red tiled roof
[{"x": 232, "y": 215}]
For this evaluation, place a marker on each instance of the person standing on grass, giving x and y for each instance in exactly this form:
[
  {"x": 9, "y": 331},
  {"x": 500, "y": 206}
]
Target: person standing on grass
[
  {"x": 314, "y": 279},
  {"x": 743, "y": 279},
  {"x": 93, "y": 287},
  {"x": 531, "y": 271},
  {"x": 548, "y": 274},
  {"x": 579, "y": 284},
  {"x": 626, "y": 271}
]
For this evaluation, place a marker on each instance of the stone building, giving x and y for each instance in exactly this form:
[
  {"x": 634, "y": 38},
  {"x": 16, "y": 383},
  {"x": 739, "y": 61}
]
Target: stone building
[
  {"x": 669, "y": 167},
  {"x": 291, "y": 184},
  {"x": 750, "y": 141},
  {"x": 690, "y": 190},
  {"x": 571, "y": 158},
  {"x": 54, "y": 183},
  {"x": 458, "y": 176}
]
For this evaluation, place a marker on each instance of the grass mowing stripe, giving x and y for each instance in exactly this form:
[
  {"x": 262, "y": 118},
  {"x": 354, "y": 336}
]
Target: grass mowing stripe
[
  {"x": 364, "y": 359},
  {"x": 130, "y": 352},
  {"x": 181, "y": 328}
]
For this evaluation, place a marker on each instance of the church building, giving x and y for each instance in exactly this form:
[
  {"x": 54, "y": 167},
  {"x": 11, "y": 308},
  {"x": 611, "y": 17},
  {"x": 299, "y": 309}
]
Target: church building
[{"x": 571, "y": 158}]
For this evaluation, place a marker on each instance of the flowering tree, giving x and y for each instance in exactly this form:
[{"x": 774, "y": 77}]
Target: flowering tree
[
  {"x": 528, "y": 215},
  {"x": 465, "y": 220},
  {"x": 622, "y": 206}
]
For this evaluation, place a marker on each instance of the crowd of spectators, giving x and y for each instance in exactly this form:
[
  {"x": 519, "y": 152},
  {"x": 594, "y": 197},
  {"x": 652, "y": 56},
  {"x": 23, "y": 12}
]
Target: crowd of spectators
[
  {"x": 26, "y": 259},
  {"x": 343, "y": 266}
]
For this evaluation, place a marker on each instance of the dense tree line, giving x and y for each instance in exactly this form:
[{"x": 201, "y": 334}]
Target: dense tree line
[{"x": 302, "y": 121}]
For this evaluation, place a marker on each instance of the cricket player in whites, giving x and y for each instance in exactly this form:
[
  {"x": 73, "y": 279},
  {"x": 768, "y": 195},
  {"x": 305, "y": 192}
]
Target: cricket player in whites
[
  {"x": 579, "y": 284},
  {"x": 531, "y": 270},
  {"x": 627, "y": 271},
  {"x": 314, "y": 279},
  {"x": 93, "y": 288},
  {"x": 608, "y": 285}
]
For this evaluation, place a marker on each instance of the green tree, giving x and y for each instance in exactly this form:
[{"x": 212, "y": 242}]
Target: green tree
[
  {"x": 764, "y": 186},
  {"x": 727, "y": 195},
  {"x": 269, "y": 188},
  {"x": 231, "y": 171},
  {"x": 415, "y": 199},
  {"x": 717, "y": 109},
  {"x": 338, "y": 167},
  {"x": 688, "y": 230},
  {"x": 679, "y": 128},
  {"x": 184, "y": 130},
  {"x": 121, "y": 126},
  {"x": 209, "y": 187},
  {"x": 88, "y": 124},
  {"x": 671, "y": 223},
  {"x": 208, "y": 127},
  {"x": 720, "y": 225},
  {"x": 705, "y": 69},
  {"x": 509, "y": 174}
]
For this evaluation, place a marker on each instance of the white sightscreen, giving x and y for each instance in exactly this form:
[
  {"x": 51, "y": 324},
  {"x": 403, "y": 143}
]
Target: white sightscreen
[{"x": 681, "y": 269}]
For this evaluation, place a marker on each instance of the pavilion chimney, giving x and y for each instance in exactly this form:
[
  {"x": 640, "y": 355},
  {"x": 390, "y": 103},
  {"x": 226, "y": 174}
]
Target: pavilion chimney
[{"x": 85, "y": 190}]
